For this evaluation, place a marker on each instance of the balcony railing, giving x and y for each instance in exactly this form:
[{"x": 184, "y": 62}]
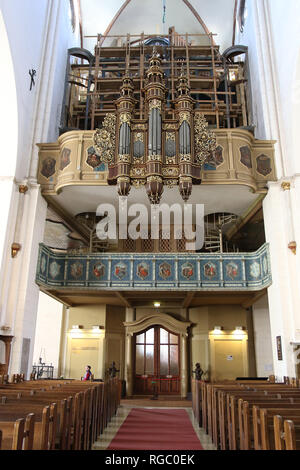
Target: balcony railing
[
  {"x": 117, "y": 271},
  {"x": 240, "y": 159}
]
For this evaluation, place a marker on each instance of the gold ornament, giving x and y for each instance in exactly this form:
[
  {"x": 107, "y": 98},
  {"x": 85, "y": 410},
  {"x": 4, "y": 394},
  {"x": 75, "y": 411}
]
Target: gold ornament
[
  {"x": 124, "y": 118},
  {"x": 205, "y": 140},
  {"x": 105, "y": 139},
  {"x": 138, "y": 183}
]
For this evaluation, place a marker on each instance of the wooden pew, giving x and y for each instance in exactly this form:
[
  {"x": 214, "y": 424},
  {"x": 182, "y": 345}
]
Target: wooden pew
[
  {"x": 286, "y": 433},
  {"x": 263, "y": 424},
  {"x": 73, "y": 424}
]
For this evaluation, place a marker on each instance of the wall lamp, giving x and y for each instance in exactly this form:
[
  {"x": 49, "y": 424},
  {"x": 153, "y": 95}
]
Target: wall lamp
[
  {"x": 239, "y": 330},
  {"x": 217, "y": 330}
]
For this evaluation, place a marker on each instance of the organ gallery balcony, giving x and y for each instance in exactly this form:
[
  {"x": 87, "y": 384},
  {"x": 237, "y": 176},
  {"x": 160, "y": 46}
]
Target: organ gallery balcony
[
  {"x": 153, "y": 272},
  {"x": 72, "y": 161}
]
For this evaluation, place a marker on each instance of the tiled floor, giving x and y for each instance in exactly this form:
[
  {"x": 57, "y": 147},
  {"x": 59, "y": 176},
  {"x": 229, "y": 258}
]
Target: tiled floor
[{"x": 113, "y": 427}]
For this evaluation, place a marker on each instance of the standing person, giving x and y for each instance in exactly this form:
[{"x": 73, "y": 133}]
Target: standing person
[{"x": 88, "y": 373}]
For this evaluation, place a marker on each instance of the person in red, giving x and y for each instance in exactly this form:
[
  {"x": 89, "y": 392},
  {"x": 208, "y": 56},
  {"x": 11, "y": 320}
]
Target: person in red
[{"x": 88, "y": 373}]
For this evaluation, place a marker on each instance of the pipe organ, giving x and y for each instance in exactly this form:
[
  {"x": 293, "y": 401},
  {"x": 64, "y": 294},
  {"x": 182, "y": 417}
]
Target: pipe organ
[{"x": 157, "y": 151}]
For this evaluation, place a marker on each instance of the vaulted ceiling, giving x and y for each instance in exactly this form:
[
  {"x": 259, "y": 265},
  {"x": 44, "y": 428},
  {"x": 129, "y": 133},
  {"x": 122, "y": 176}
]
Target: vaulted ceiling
[{"x": 119, "y": 17}]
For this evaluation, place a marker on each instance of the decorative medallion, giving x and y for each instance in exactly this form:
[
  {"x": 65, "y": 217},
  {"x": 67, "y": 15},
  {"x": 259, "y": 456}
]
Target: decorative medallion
[
  {"x": 54, "y": 269},
  {"x": 232, "y": 270},
  {"x": 48, "y": 167},
  {"x": 216, "y": 159},
  {"x": 210, "y": 270},
  {"x": 76, "y": 270},
  {"x": 263, "y": 165},
  {"x": 246, "y": 156},
  {"x": 165, "y": 270},
  {"x": 105, "y": 139},
  {"x": 99, "y": 270},
  {"x": 120, "y": 270},
  {"x": 187, "y": 270},
  {"x": 255, "y": 270},
  {"x": 138, "y": 137},
  {"x": 65, "y": 159},
  {"x": 143, "y": 270},
  {"x": 93, "y": 158}
]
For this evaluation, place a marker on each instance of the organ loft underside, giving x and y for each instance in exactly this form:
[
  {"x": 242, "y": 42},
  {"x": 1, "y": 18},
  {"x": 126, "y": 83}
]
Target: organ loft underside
[{"x": 158, "y": 120}]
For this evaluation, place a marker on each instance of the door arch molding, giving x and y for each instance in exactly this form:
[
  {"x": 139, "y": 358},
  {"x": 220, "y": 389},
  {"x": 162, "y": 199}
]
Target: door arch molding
[
  {"x": 161, "y": 319},
  {"x": 168, "y": 322}
]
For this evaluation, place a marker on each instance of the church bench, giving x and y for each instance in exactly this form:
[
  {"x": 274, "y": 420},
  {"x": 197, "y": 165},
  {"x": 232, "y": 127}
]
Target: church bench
[
  {"x": 226, "y": 411},
  {"x": 229, "y": 417},
  {"x": 209, "y": 399},
  {"x": 29, "y": 433},
  {"x": 216, "y": 417},
  {"x": 249, "y": 430},
  {"x": 286, "y": 433},
  {"x": 81, "y": 417},
  {"x": 219, "y": 418},
  {"x": 263, "y": 424},
  {"x": 245, "y": 415}
]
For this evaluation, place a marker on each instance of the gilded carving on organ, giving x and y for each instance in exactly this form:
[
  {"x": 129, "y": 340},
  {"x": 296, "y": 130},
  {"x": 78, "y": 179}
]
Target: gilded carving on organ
[
  {"x": 184, "y": 117},
  {"x": 205, "y": 140},
  {"x": 124, "y": 117},
  {"x": 155, "y": 104},
  {"x": 105, "y": 139}
]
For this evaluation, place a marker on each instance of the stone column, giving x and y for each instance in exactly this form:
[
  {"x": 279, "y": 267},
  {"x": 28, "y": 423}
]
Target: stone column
[
  {"x": 184, "y": 365},
  {"x": 283, "y": 294}
]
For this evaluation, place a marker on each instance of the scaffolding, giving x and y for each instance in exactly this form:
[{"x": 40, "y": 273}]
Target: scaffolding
[{"x": 217, "y": 83}]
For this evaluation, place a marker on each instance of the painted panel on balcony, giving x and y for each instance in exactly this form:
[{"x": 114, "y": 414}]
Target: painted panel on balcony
[{"x": 230, "y": 271}]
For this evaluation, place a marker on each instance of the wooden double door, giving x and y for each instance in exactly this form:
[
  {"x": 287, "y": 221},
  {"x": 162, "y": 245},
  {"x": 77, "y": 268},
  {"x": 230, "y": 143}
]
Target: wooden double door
[{"x": 157, "y": 362}]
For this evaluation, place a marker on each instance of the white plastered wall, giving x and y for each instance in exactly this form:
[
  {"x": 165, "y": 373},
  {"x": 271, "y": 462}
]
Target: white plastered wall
[
  {"x": 39, "y": 34},
  {"x": 262, "y": 337},
  {"x": 272, "y": 35},
  {"x": 48, "y": 332}
]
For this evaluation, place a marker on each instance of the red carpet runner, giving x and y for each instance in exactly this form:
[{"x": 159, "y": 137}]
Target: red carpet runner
[{"x": 156, "y": 429}]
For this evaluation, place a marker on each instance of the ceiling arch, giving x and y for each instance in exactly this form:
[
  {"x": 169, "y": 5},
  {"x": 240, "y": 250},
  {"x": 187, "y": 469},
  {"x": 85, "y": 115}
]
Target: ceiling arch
[
  {"x": 119, "y": 17},
  {"x": 126, "y": 3}
]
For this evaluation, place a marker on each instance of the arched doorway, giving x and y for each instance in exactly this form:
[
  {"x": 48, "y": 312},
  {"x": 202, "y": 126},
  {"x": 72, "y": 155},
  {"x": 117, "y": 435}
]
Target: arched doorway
[
  {"x": 156, "y": 361},
  {"x": 165, "y": 339}
]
